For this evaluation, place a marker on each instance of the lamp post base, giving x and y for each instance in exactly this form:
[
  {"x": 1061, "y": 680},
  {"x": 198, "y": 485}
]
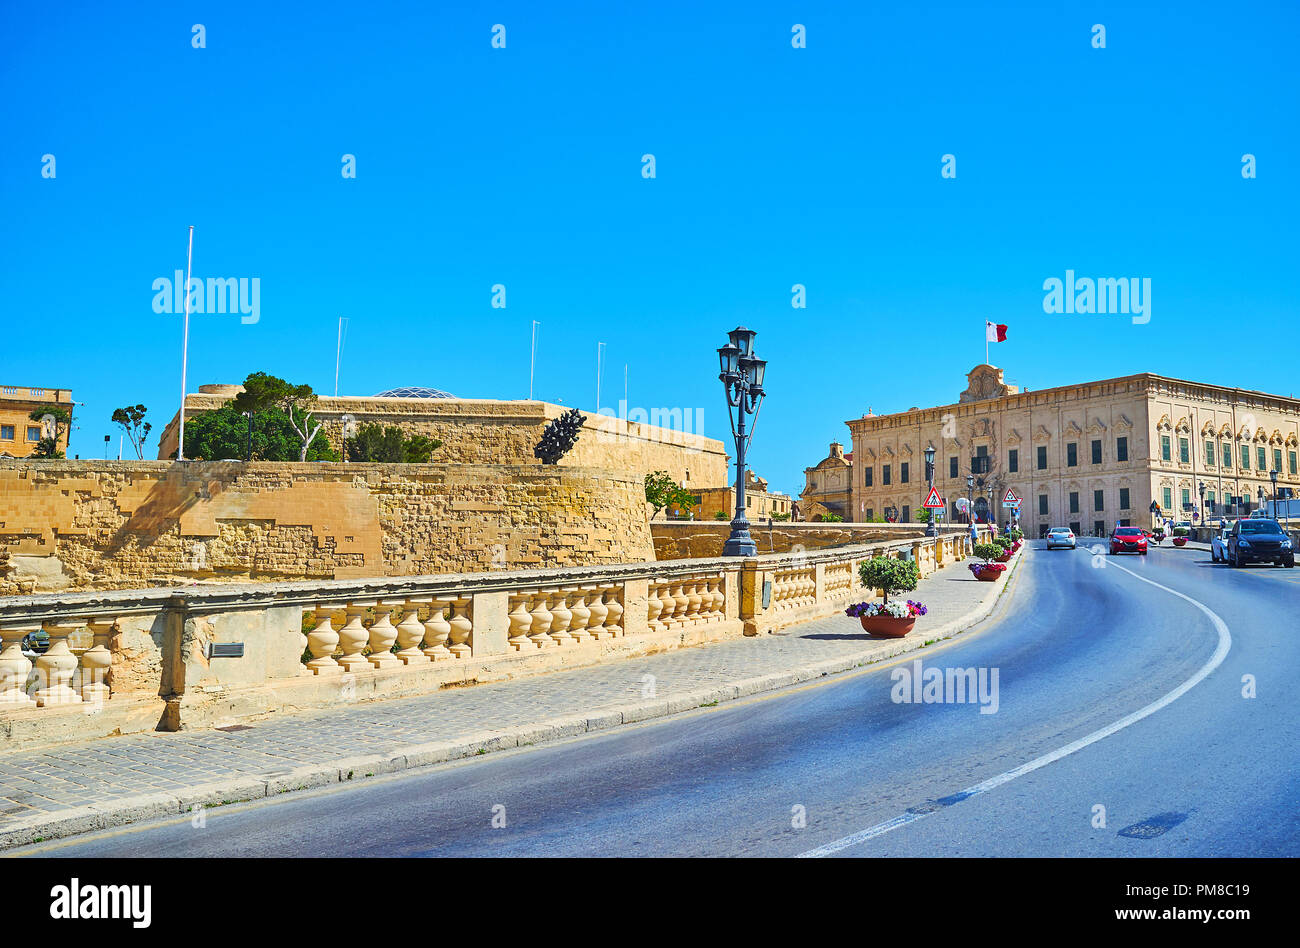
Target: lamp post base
[{"x": 740, "y": 543}]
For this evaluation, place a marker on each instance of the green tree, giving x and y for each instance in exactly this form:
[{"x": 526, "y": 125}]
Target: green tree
[
  {"x": 223, "y": 434},
  {"x": 137, "y": 429},
  {"x": 389, "y": 445},
  {"x": 662, "y": 491},
  {"x": 889, "y": 575},
  {"x": 263, "y": 392},
  {"x": 48, "y": 447}
]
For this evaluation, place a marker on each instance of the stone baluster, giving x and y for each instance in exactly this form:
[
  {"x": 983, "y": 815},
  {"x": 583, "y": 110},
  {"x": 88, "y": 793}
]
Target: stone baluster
[
  {"x": 682, "y": 601},
  {"x": 718, "y": 608},
  {"x": 653, "y": 606},
  {"x": 520, "y": 623},
  {"x": 613, "y": 611},
  {"x": 382, "y": 636},
  {"x": 437, "y": 629},
  {"x": 353, "y": 639},
  {"x": 668, "y": 604},
  {"x": 599, "y": 612},
  {"x": 56, "y": 668},
  {"x": 410, "y": 633},
  {"x": 693, "y": 600},
  {"x": 581, "y": 616},
  {"x": 461, "y": 628},
  {"x": 14, "y": 669},
  {"x": 561, "y": 617},
  {"x": 537, "y": 634},
  {"x": 323, "y": 642},
  {"x": 97, "y": 660}
]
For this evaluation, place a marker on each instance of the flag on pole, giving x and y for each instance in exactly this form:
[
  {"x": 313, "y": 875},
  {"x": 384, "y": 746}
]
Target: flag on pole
[{"x": 995, "y": 332}]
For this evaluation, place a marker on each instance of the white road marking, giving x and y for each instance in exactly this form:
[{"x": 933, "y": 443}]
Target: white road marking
[{"x": 1220, "y": 653}]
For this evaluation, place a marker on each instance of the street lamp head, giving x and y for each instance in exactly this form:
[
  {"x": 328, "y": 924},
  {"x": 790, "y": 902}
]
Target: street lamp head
[
  {"x": 1272, "y": 476},
  {"x": 742, "y": 339},
  {"x": 754, "y": 370},
  {"x": 970, "y": 481},
  {"x": 929, "y": 455},
  {"x": 729, "y": 362}
]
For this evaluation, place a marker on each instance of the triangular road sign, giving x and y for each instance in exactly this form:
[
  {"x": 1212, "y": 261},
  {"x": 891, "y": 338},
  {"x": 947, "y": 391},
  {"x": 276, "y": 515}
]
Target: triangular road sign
[
  {"x": 1010, "y": 497},
  {"x": 934, "y": 500}
]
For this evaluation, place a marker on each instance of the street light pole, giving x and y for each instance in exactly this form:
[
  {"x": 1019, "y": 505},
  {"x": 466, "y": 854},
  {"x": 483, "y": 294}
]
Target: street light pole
[
  {"x": 1200, "y": 486},
  {"x": 931, "y": 530},
  {"x": 1272, "y": 476},
  {"x": 742, "y": 380},
  {"x": 970, "y": 498}
]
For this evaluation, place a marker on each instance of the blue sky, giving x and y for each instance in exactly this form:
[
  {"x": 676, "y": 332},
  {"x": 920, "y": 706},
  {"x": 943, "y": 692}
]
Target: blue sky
[{"x": 522, "y": 166}]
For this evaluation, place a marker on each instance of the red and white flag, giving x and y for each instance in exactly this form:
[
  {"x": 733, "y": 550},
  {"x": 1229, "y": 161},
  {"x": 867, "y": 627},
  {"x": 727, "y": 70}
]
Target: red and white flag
[{"x": 995, "y": 332}]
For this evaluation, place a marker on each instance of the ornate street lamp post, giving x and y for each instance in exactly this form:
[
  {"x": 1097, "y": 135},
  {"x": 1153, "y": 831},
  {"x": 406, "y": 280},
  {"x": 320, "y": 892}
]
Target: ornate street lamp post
[
  {"x": 742, "y": 379},
  {"x": 970, "y": 498},
  {"x": 989, "y": 490},
  {"x": 931, "y": 530},
  {"x": 1200, "y": 486},
  {"x": 1272, "y": 476}
]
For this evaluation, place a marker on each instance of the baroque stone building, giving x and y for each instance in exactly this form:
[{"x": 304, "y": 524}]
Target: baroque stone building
[
  {"x": 19, "y": 434},
  {"x": 760, "y": 503},
  {"x": 1087, "y": 456},
  {"x": 829, "y": 484}
]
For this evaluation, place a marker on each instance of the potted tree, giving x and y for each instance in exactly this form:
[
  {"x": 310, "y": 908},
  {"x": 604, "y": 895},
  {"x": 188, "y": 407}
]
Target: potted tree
[
  {"x": 988, "y": 571},
  {"x": 886, "y": 619},
  {"x": 1004, "y": 548},
  {"x": 1180, "y": 536}
]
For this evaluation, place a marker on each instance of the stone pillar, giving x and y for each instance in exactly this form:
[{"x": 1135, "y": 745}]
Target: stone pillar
[{"x": 14, "y": 669}]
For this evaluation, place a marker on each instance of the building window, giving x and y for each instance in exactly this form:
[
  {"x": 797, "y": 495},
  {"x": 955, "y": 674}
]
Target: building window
[
  {"x": 1123, "y": 498},
  {"x": 7, "y": 433},
  {"x": 907, "y": 514},
  {"x": 1167, "y": 495},
  {"x": 1096, "y": 452},
  {"x": 1261, "y": 459},
  {"x": 952, "y": 467},
  {"x": 1209, "y": 499},
  {"x": 902, "y": 476},
  {"x": 1291, "y": 462},
  {"x": 1076, "y": 528},
  {"x": 1042, "y": 458},
  {"x": 1074, "y": 502},
  {"x": 1164, "y": 448},
  {"x": 1013, "y": 461},
  {"x": 1277, "y": 460},
  {"x": 1121, "y": 449},
  {"x": 1187, "y": 498},
  {"x": 1245, "y": 456},
  {"x": 1184, "y": 451},
  {"x": 866, "y": 476},
  {"x": 1099, "y": 528},
  {"x": 33, "y": 434},
  {"x": 1227, "y": 454},
  {"x": 871, "y": 514},
  {"x": 884, "y": 473},
  {"x": 1099, "y": 500},
  {"x": 1072, "y": 454},
  {"x": 1042, "y": 505},
  {"x": 1209, "y": 454}
]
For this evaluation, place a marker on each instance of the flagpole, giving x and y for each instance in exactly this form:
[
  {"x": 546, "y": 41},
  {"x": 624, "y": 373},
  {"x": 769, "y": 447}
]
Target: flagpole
[
  {"x": 185, "y": 347},
  {"x": 986, "y": 343}
]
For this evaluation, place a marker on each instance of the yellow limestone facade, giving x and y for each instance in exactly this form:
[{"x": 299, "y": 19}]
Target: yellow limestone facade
[{"x": 1089, "y": 456}]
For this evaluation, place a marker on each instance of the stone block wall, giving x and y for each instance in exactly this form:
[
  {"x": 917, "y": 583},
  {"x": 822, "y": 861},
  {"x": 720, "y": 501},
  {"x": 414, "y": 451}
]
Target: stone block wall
[
  {"x": 120, "y": 525},
  {"x": 678, "y": 540}
]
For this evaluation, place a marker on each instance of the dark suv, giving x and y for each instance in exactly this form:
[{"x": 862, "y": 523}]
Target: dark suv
[{"x": 1259, "y": 541}]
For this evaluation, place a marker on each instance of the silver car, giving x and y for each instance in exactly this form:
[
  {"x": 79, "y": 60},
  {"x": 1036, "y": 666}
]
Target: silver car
[
  {"x": 1062, "y": 537},
  {"x": 1219, "y": 546}
]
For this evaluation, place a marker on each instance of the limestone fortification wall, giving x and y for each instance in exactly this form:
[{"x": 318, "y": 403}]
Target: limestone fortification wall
[
  {"x": 122, "y": 525},
  {"x": 487, "y": 431},
  {"x": 691, "y": 539}
]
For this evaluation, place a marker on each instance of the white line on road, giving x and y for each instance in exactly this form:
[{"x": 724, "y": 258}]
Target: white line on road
[{"x": 1220, "y": 653}]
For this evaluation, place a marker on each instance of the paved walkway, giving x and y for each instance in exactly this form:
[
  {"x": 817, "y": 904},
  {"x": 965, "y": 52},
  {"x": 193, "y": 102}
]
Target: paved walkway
[{"x": 84, "y": 786}]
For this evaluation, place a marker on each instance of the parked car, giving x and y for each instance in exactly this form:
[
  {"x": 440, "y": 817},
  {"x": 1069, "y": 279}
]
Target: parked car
[
  {"x": 1257, "y": 540},
  {"x": 1062, "y": 537},
  {"x": 1219, "y": 545},
  {"x": 1128, "y": 540}
]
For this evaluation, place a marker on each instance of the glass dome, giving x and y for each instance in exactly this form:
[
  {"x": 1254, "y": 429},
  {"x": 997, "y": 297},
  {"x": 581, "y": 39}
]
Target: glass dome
[{"x": 415, "y": 392}]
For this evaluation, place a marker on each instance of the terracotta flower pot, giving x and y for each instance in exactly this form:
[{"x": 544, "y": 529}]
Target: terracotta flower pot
[
  {"x": 987, "y": 575},
  {"x": 1180, "y": 541},
  {"x": 1004, "y": 557},
  {"x": 887, "y": 627}
]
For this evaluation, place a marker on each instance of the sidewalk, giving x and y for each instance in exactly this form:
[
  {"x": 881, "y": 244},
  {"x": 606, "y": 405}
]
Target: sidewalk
[{"x": 79, "y": 787}]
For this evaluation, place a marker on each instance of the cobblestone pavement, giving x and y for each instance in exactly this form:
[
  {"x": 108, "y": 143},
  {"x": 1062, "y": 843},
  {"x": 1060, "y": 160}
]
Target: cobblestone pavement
[{"x": 80, "y": 786}]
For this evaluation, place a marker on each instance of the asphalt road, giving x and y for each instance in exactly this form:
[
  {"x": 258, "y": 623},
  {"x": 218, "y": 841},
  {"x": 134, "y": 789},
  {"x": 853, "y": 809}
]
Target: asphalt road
[{"x": 1085, "y": 646}]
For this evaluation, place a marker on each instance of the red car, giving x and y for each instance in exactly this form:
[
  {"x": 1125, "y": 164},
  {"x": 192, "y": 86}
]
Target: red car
[{"x": 1128, "y": 540}]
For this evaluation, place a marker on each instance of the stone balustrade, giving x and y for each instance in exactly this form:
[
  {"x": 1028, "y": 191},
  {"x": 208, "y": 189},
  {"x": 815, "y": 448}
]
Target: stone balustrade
[{"x": 133, "y": 660}]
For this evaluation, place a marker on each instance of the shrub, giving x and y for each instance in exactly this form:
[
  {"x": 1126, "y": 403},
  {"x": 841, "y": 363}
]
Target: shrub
[
  {"x": 889, "y": 575},
  {"x": 988, "y": 551},
  {"x": 1181, "y": 531},
  {"x": 1003, "y": 541},
  {"x": 720, "y": 515}
]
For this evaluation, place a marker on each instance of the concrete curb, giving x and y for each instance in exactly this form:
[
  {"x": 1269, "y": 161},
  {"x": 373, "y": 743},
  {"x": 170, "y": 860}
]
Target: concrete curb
[{"x": 246, "y": 788}]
